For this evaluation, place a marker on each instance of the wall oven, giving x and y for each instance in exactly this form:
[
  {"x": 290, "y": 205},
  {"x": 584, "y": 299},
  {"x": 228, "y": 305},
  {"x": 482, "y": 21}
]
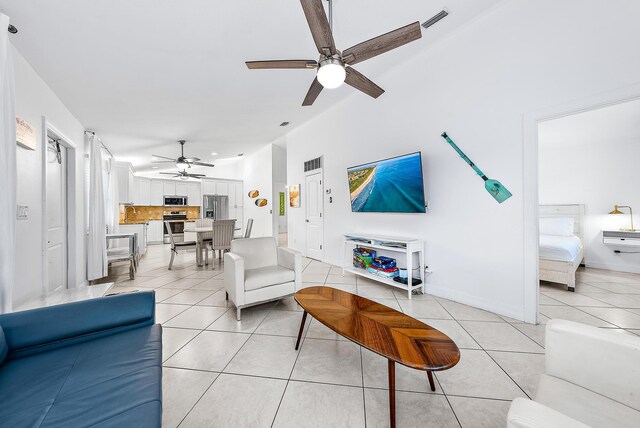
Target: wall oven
[
  {"x": 175, "y": 220},
  {"x": 175, "y": 201}
]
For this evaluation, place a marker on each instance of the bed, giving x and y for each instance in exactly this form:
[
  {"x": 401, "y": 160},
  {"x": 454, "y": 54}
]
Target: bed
[{"x": 561, "y": 243}]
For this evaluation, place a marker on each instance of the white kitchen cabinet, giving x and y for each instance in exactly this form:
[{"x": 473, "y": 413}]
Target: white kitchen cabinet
[
  {"x": 182, "y": 189},
  {"x": 194, "y": 198},
  {"x": 239, "y": 194},
  {"x": 144, "y": 191},
  {"x": 235, "y": 194},
  {"x": 135, "y": 191},
  {"x": 222, "y": 187},
  {"x": 208, "y": 187},
  {"x": 238, "y": 215},
  {"x": 156, "y": 193},
  {"x": 125, "y": 177},
  {"x": 155, "y": 232},
  {"x": 170, "y": 188}
]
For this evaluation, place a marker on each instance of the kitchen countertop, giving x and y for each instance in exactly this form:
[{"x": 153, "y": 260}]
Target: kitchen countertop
[{"x": 147, "y": 221}]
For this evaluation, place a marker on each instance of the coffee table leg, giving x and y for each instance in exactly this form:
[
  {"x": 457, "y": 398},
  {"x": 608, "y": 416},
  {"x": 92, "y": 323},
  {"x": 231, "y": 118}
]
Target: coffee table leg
[
  {"x": 430, "y": 376},
  {"x": 304, "y": 319},
  {"x": 392, "y": 393}
]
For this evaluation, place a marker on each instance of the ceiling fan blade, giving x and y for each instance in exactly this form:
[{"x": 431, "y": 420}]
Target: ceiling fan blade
[
  {"x": 163, "y": 157},
  {"x": 319, "y": 26},
  {"x": 381, "y": 44},
  {"x": 314, "y": 91},
  {"x": 202, "y": 164},
  {"x": 281, "y": 63},
  {"x": 359, "y": 81},
  {"x": 191, "y": 160},
  {"x": 161, "y": 162},
  {"x": 170, "y": 173},
  {"x": 196, "y": 175}
]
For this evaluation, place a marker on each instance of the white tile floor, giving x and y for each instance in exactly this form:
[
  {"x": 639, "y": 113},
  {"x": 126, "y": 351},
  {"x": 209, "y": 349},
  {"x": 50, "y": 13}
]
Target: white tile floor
[{"x": 221, "y": 372}]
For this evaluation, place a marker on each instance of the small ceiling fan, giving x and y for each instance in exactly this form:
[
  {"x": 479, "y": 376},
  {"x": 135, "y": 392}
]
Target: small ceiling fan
[
  {"x": 335, "y": 67},
  {"x": 181, "y": 162},
  {"x": 184, "y": 175}
]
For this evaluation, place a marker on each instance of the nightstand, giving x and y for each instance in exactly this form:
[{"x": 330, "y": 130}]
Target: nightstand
[{"x": 621, "y": 238}]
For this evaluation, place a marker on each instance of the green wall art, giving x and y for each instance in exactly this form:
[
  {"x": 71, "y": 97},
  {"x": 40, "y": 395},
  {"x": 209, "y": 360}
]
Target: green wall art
[{"x": 494, "y": 187}]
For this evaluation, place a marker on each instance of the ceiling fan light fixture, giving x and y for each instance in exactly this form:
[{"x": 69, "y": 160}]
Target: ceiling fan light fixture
[
  {"x": 182, "y": 164},
  {"x": 331, "y": 73},
  {"x": 184, "y": 177}
]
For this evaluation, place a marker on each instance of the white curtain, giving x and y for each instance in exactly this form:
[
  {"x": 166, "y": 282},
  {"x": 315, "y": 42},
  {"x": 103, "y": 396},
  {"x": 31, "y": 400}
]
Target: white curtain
[
  {"x": 97, "y": 266},
  {"x": 8, "y": 177},
  {"x": 113, "y": 207}
]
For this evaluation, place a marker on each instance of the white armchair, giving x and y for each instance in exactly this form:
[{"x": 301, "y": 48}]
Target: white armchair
[
  {"x": 257, "y": 271},
  {"x": 592, "y": 379}
]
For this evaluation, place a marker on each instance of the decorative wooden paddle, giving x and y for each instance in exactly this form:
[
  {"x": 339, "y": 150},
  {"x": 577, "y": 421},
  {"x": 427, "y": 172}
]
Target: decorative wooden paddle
[{"x": 494, "y": 187}]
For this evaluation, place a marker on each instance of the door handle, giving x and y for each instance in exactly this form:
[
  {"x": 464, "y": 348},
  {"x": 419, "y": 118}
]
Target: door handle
[{"x": 307, "y": 220}]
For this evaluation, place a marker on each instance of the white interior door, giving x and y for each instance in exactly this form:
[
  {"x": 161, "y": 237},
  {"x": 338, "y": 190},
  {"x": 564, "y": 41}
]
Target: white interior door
[
  {"x": 314, "y": 220},
  {"x": 56, "y": 220}
]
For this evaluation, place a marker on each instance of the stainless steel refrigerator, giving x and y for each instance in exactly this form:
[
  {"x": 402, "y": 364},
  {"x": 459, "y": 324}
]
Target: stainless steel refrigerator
[{"x": 215, "y": 207}]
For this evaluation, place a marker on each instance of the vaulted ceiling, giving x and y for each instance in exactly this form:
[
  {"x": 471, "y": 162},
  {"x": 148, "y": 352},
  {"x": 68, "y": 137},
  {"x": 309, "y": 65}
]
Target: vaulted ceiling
[{"x": 146, "y": 73}]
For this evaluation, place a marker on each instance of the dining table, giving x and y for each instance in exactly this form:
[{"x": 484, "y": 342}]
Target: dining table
[{"x": 200, "y": 232}]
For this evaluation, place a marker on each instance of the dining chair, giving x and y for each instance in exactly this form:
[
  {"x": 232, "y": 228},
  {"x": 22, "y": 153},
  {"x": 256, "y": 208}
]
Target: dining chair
[
  {"x": 222, "y": 236},
  {"x": 178, "y": 246},
  {"x": 208, "y": 237},
  {"x": 247, "y": 232}
]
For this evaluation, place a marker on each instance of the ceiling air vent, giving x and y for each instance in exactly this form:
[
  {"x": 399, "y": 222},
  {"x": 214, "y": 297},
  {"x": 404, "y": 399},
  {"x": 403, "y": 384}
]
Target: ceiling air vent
[
  {"x": 440, "y": 15},
  {"x": 313, "y": 164}
]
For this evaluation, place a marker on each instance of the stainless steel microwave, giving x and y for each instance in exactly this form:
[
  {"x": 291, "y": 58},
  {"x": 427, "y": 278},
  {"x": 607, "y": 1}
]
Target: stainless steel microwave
[{"x": 175, "y": 201}]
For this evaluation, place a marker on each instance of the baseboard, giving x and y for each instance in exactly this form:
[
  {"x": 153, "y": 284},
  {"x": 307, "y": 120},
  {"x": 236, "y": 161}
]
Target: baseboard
[
  {"x": 474, "y": 301},
  {"x": 618, "y": 267},
  {"x": 466, "y": 299}
]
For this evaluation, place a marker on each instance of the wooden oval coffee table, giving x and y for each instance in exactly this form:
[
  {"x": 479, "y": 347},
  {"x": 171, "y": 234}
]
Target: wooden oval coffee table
[{"x": 385, "y": 331}]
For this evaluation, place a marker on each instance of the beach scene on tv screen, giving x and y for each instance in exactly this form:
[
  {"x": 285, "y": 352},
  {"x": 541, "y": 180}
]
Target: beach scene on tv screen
[{"x": 390, "y": 185}]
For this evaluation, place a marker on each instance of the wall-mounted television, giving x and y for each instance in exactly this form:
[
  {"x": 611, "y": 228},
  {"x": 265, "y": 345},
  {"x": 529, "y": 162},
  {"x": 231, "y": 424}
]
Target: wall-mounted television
[{"x": 393, "y": 185}]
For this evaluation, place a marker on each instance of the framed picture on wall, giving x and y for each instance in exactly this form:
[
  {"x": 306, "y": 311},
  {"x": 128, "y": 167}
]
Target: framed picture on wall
[{"x": 294, "y": 196}]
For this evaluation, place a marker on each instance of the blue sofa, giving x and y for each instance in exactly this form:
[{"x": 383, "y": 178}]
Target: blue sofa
[{"x": 92, "y": 363}]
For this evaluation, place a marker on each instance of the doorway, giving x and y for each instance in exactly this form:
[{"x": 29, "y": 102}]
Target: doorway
[
  {"x": 531, "y": 124},
  {"x": 59, "y": 214},
  {"x": 57, "y": 253},
  {"x": 314, "y": 215}
]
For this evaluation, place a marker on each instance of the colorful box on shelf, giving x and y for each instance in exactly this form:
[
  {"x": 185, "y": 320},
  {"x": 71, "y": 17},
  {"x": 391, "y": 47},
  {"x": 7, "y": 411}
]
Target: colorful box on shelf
[
  {"x": 363, "y": 257},
  {"x": 382, "y": 262},
  {"x": 385, "y": 273}
]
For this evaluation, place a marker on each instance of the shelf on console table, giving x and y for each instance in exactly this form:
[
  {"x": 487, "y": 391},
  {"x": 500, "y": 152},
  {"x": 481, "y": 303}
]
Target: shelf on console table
[{"x": 407, "y": 246}]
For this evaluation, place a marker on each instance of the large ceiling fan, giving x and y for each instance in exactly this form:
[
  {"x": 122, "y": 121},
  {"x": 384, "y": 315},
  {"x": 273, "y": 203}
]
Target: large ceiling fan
[
  {"x": 181, "y": 162},
  {"x": 184, "y": 175},
  {"x": 335, "y": 67}
]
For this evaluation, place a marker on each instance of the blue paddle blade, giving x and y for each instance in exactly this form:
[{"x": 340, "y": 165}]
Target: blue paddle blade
[{"x": 497, "y": 190}]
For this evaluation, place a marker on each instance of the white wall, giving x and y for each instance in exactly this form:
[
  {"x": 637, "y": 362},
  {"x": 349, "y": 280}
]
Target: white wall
[
  {"x": 599, "y": 174},
  {"x": 35, "y": 99},
  {"x": 476, "y": 85},
  {"x": 279, "y": 164},
  {"x": 258, "y": 175}
]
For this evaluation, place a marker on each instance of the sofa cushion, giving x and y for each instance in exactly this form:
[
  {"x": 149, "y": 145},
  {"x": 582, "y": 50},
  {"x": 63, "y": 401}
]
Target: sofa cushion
[
  {"x": 103, "y": 382},
  {"x": 4, "y": 349},
  {"x": 256, "y": 252},
  {"x": 266, "y": 276},
  {"x": 584, "y": 405}
]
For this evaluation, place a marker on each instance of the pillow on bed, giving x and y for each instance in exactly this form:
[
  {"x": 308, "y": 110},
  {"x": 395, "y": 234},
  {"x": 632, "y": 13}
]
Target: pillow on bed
[{"x": 558, "y": 226}]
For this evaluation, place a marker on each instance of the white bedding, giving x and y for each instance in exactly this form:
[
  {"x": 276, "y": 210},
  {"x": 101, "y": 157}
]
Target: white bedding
[{"x": 562, "y": 248}]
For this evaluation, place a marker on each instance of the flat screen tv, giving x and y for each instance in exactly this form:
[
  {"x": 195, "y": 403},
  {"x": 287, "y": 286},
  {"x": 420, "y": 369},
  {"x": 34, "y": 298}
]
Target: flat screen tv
[{"x": 393, "y": 185}]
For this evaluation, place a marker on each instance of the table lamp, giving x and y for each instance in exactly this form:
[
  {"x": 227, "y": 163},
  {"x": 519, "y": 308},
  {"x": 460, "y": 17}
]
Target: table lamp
[{"x": 616, "y": 210}]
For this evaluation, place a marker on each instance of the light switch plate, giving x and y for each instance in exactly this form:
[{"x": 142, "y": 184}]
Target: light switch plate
[{"x": 23, "y": 212}]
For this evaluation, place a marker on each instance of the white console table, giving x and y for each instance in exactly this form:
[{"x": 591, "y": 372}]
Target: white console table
[{"x": 407, "y": 246}]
